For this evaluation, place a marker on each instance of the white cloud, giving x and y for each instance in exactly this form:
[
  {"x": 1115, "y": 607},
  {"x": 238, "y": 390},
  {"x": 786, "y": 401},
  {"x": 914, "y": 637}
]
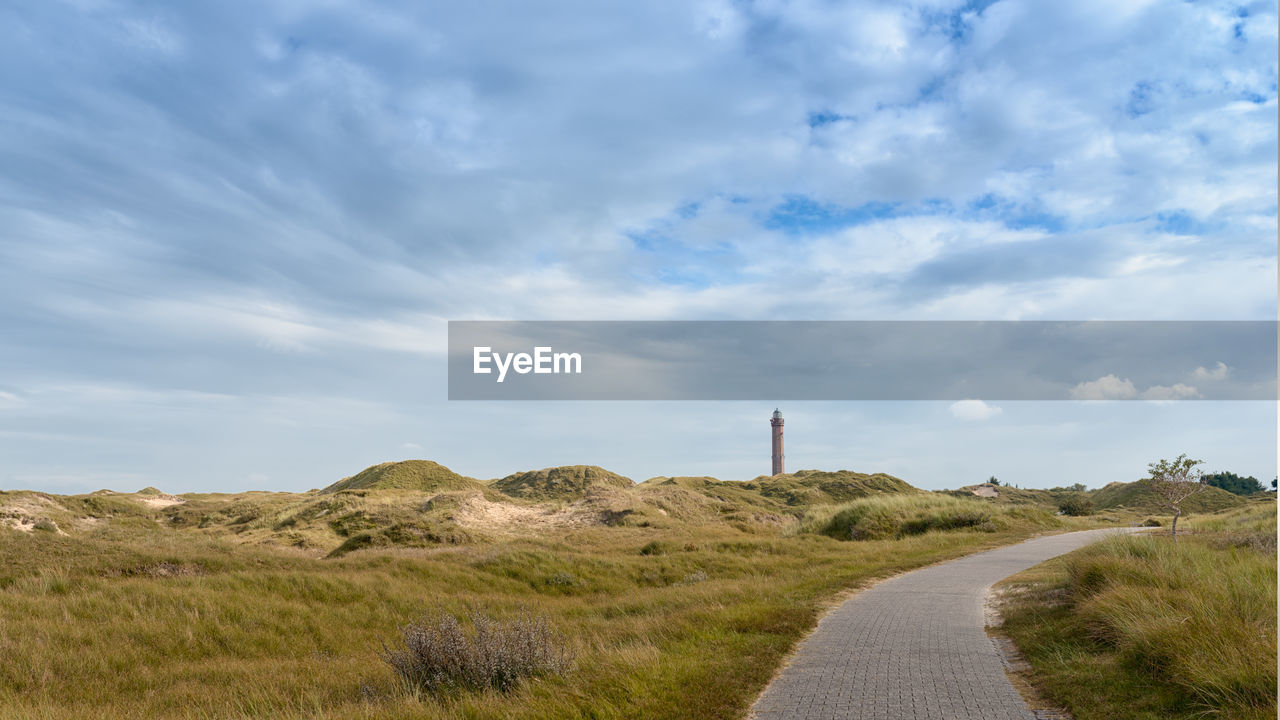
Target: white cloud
[
  {"x": 1110, "y": 387},
  {"x": 1146, "y": 262},
  {"x": 1219, "y": 372},
  {"x": 318, "y": 209},
  {"x": 152, "y": 35},
  {"x": 974, "y": 410},
  {"x": 1177, "y": 391},
  {"x": 1107, "y": 387}
]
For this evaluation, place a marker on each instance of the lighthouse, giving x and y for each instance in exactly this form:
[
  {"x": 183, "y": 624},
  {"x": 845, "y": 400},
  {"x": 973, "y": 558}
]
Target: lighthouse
[{"x": 776, "y": 423}]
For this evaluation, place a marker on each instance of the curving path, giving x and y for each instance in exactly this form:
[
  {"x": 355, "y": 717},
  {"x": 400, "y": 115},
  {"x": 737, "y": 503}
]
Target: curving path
[{"x": 912, "y": 647}]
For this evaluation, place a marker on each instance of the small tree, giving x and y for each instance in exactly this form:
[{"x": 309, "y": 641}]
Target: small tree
[
  {"x": 1173, "y": 481},
  {"x": 1076, "y": 505},
  {"x": 993, "y": 480}
]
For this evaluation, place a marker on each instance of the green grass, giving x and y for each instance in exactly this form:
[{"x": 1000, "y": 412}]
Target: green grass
[
  {"x": 570, "y": 482},
  {"x": 406, "y": 475},
  {"x": 896, "y": 516},
  {"x": 679, "y": 597},
  {"x": 1136, "y": 496},
  {"x": 1022, "y": 496},
  {"x": 160, "y": 619},
  {"x": 813, "y": 487},
  {"x": 1142, "y": 627}
]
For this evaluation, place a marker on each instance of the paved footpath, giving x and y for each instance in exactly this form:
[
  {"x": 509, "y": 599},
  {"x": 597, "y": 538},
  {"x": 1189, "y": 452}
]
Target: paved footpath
[{"x": 912, "y": 647}]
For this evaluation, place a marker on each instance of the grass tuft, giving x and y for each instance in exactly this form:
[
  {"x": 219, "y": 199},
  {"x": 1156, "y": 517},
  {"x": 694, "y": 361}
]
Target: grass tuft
[
  {"x": 1143, "y": 627},
  {"x": 440, "y": 656}
]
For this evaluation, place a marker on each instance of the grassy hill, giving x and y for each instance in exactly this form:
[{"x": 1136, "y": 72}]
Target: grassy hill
[
  {"x": 817, "y": 487},
  {"x": 672, "y": 585},
  {"x": 279, "y": 604},
  {"x": 407, "y": 475},
  {"x": 1137, "y": 497},
  {"x": 722, "y": 493},
  {"x": 1016, "y": 496},
  {"x": 903, "y": 514},
  {"x": 422, "y": 504},
  {"x": 567, "y": 482},
  {"x": 1117, "y": 498}
]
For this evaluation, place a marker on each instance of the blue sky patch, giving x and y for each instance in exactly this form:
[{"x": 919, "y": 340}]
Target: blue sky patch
[{"x": 800, "y": 214}]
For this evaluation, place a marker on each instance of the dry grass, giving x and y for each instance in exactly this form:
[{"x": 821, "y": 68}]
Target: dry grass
[
  {"x": 144, "y": 619},
  {"x": 1143, "y": 627},
  {"x": 679, "y": 597}
]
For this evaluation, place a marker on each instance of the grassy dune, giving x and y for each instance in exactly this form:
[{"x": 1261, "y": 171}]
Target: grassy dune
[
  {"x": 678, "y": 596},
  {"x": 895, "y": 516},
  {"x": 1138, "y": 497},
  {"x": 1142, "y": 627},
  {"x": 150, "y": 618}
]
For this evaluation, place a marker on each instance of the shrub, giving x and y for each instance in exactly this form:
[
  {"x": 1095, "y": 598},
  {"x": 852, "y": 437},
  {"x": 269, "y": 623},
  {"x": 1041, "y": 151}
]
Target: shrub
[
  {"x": 694, "y": 577},
  {"x": 45, "y": 524},
  {"x": 1076, "y": 505},
  {"x": 438, "y": 655},
  {"x": 653, "y": 547},
  {"x": 563, "y": 579}
]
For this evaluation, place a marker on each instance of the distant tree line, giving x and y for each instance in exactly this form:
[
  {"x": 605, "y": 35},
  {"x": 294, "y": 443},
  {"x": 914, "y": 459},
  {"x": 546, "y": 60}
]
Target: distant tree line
[{"x": 1233, "y": 483}]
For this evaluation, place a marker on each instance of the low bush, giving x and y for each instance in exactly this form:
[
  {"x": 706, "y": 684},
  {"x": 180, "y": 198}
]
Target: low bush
[
  {"x": 653, "y": 547},
  {"x": 439, "y": 655},
  {"x": 895, "y": 516},
  {"x": 1076, "y": 505}
]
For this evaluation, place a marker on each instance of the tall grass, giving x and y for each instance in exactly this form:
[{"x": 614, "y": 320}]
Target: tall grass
[
  {"x": 88, "y": 628},
  {"x": 896, "y": 516},
  {"x": 1142, "y": 627}
]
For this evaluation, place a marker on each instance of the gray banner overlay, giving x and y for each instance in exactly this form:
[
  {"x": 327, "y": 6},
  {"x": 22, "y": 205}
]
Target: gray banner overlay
[{"x": 862, "y": 360}]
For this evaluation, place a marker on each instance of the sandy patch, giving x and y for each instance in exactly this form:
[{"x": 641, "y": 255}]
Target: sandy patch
[
  {"x": 21, "y": 523},
  {"x": 88, "y": 523},
  {"x": 986, "y": 491},
  {"x": 24, "y": 512},
  {"x": 159, "y": 501},
  {"x": 477, "y": 512}
]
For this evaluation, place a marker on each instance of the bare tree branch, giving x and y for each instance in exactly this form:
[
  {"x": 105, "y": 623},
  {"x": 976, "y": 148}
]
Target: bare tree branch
[{"x": 1173, "y": 481}]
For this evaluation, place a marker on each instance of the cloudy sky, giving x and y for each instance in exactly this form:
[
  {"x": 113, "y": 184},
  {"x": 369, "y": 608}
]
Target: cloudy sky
[{"x": 231, "y": 234}]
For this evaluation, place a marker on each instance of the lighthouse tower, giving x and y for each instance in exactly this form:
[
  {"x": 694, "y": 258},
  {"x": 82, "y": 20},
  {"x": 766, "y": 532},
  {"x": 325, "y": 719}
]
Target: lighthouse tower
[{"x": 776, "y": 422}]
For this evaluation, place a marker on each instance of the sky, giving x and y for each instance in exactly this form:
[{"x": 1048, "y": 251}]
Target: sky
[{"x": 232, "y": 234}]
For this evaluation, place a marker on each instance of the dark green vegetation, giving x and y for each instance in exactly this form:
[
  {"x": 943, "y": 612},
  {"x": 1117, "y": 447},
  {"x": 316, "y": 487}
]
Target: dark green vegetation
[
  {"x": 572, "y": 482},
  {"x": 897, "y": 516},
  {"x": 1144, "y": 628},
  {"x": 1234, "y": 483},
  {"x": 1076, "y": 505},
  {"x": 678, "y": 596}
]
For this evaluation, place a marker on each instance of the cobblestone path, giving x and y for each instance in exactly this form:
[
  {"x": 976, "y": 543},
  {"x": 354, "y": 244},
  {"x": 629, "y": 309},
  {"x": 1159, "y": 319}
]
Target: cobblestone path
[{"x": 912, "y": 647}]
